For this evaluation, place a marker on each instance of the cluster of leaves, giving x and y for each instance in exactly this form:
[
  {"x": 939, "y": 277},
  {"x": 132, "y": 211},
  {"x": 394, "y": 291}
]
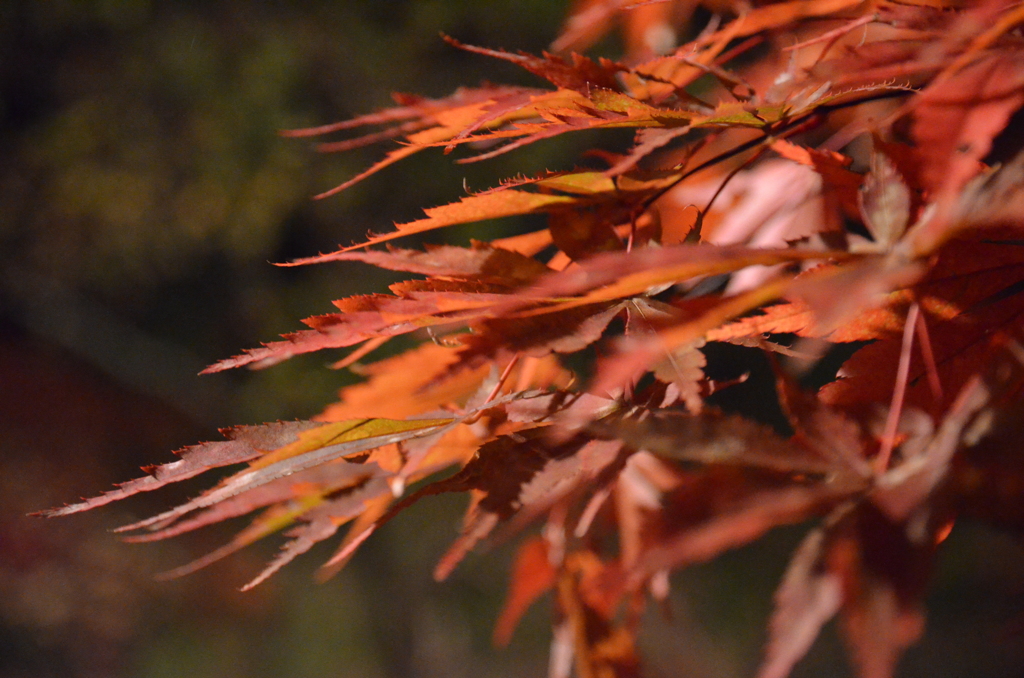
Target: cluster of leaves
[{"x": 806, "y": 174}]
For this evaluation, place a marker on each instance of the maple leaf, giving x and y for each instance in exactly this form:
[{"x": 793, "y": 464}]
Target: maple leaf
[
  {"x": 542, "y": 472},
  {"x": 871, "y": 560},
  {"x": 583, "y": 74},
  {"x": 748, "y": 480},
  {"x": 648, "y": 26},
  {"x": 805, "y": 600},
  {"x": 317, "y": 445},
  {"x": 970, "y": 108},
  {"x": 589, "y": 635},
  {"x": 475, "y": 208},
  {"x": 318, "y": 474},
  {"x": 482, "y": 262},
  {"x": 893, "y": 233},
  {"x": 245, "y": 443},
  {"x": 464, "y": 283},
  {"x": 427, "y": 121},
  {"x": 532, "y": 576},
  {"x": 567, "y": 331},
  {"x": 969, "y": 296}
]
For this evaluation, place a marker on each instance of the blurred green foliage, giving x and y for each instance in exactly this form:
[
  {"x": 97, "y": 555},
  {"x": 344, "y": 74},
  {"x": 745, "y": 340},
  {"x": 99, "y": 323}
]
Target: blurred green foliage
[
  {"x": 143, "y": 191},
  {"x": 140, "y": 135},
  {"x": 142, "y": 167}
]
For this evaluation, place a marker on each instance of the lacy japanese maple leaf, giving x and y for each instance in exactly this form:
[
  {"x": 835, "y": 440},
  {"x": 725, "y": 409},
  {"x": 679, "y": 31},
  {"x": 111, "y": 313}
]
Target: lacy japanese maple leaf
[{"x": 842, "y": 187}]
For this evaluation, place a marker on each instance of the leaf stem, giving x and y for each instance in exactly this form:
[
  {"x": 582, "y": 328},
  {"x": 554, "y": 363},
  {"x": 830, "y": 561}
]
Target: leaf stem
[{"x": 899, "y": 392}]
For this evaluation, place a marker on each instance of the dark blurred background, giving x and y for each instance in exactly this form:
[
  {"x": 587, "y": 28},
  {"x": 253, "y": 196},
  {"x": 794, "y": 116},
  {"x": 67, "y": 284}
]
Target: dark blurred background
[{"x": 143, "y": 191}]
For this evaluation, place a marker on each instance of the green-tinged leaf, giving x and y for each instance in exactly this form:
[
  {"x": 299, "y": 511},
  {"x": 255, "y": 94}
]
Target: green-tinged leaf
[
  {"x": 341, "y": 432},
  {"x": 738, "y": 115},
  {"x": 354, "y": 437},
  {"x": 580, "y": 183}
]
